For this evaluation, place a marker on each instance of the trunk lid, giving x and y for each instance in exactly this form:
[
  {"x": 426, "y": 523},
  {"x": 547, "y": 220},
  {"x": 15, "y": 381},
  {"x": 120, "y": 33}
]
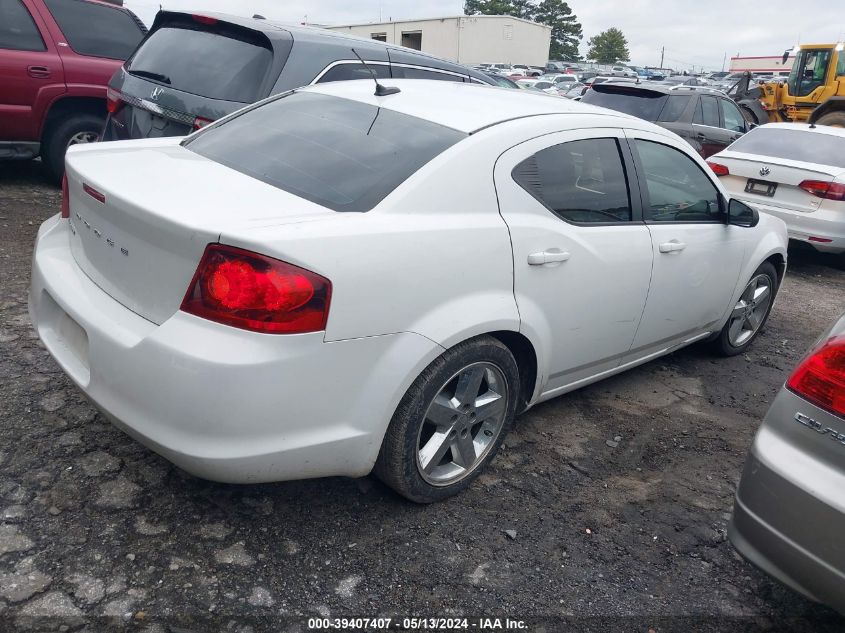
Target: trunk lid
[
  {"x": 787, "y": 174},
  {"x": 141, "y": 218}
]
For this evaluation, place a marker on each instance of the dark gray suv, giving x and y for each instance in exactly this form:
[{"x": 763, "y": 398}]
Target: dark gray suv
[{"x": 193, "y": 69}]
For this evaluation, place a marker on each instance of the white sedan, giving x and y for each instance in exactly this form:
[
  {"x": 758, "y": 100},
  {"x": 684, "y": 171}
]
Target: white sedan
[
  {"x": 331, "y": 282},
  {"x": 794, "y": 172}
]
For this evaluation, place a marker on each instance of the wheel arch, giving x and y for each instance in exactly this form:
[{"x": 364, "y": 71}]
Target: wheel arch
[
  {"x": 526, "y": 359},
  {"x": 65, "y": 106},
  {"x": 832, "y": 104}
]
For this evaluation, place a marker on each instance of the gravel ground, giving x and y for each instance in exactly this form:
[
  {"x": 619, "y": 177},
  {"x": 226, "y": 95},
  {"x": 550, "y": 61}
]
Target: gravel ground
[{"x": 98, "y": 532}]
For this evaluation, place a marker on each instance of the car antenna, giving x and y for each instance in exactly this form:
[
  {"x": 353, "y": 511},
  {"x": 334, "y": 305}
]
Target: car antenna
[{"x": 381, "y": 91}]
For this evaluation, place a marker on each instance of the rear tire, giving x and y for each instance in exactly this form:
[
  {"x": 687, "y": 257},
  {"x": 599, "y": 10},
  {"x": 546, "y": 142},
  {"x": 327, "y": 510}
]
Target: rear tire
[
  {"x": 451, "y": 421},
  {"x": 833, "y": 119},
  {"x": 750, "y": 313},
  {"x": 76, "y": 128}
]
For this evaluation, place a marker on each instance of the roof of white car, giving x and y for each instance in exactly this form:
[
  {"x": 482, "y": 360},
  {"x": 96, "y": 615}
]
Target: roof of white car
[
  {"x": 805, "y": 127},
  {"x": 463, "y": 106}
]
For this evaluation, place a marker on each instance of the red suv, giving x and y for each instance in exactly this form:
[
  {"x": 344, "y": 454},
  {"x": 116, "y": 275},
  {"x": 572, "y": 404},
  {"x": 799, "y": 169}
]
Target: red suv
[{"x": 56, "y": 59}]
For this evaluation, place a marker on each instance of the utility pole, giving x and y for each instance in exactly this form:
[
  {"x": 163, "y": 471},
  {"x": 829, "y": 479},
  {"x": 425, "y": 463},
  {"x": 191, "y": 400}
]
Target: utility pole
[
  {"x": 724, "y": 59},
  {"x": 662, "y": 50}
]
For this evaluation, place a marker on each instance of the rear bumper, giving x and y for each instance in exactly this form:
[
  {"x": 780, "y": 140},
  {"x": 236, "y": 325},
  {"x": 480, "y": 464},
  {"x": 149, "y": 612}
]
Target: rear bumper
[
  {"x": 802, "y": 226},
  {"x": 222, "y": 403},
  {"x": 788, "y": 518}
]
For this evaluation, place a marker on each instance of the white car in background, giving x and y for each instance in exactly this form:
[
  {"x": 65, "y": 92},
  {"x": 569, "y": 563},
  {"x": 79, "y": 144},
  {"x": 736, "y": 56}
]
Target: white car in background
[
  {"x": 795, "y": 172},
  {"x": 331, "y": 282}
]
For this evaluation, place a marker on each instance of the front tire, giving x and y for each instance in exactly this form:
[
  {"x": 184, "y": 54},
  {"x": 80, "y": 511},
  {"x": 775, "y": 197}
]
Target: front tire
[
  {"x": 76, "y": 128},
  {"x": 750, "y": 313},
  {"x": 451, "y": 421}
]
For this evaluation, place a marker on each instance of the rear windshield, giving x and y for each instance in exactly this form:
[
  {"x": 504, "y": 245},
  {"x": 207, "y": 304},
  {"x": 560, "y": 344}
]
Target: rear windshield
[
  {"x": 341, "y": 154},
  {"x": 810, "y": 147},
  {"x": 639, "y": 103},
  {"x": 230, "y": 67}
]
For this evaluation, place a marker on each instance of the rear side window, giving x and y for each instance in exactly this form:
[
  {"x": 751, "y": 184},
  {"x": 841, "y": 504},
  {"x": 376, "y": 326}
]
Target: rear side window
[
  {"x": 354, "y": 70},
  {"x": 17, "y": 30},
  {"x": 420, "y": 73},
  {"x": 674, "y": 108},
  {"x": 644, "y": 104},
  {"x": 707, "y": 112},
  {"x": 581, "y": 181},
  {"x": 96, "y": 30},
  {"x": 229, "y": 66},
  {"x": 341, "y": 154},
  {"x": 810, "y": 147}
]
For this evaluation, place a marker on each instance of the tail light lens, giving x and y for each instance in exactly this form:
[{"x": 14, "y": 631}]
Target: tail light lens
[
  {"x": 822, "y": 189},
  {"x": 65, "y": 198},
  {"x": 200, "y": 122},
  {"x": 113, "y": 100},
  {"x": 820, "y": 378},
  {"x": 719, "y": 169},
  {"x": 258, "y": 293}
]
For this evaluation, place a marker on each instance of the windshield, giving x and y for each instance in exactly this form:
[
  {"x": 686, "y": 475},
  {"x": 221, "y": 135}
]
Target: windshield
[
  {"x": 644, "y": 104},
  {"x": 341, "y": 154},
  {"x": 808, "y": 71},
  {"x": 806, "y": 146}
]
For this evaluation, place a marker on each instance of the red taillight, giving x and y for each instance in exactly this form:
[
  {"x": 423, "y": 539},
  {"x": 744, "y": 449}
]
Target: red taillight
[
  {"x": 822, "y": 189},
  {"x": 719, "y": 169},
  {"x": 200, "y": 122},
  {"x": 820, "y": 378},
  {"x": 258, "y": 293},
  {"x": 113, "y": 101},
  {"x": 204, "y": 19},
  {"x": 99, "y": 197},
  {"x": 65, "y": 198}
]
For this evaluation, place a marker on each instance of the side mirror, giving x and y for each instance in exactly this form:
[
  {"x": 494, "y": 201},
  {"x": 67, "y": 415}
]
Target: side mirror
[{"x": 741, "y": 214}]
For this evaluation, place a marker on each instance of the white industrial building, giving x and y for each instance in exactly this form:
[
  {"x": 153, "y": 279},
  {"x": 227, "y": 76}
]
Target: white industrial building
[
  {"x": 466, "y": 39},
  {"x": 773, "y": 64}
]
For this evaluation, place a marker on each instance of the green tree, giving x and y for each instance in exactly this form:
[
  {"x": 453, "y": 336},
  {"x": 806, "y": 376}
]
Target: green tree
[
  {"x": 516, "y": 8},
  {"x": 566, "y": 31},
  {"x": 609, "y": 47}
]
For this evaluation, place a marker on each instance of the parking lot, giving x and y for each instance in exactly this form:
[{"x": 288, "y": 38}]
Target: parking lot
[{"x": 611, "y": 501}]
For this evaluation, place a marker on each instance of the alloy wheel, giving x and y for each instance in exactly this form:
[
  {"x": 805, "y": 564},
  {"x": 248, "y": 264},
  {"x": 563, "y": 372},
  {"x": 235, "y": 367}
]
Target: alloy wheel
[
  {"x": 83, "y": 137},
  {"x": 462, "y": 424},
  {"x": 750, "y": 311}
]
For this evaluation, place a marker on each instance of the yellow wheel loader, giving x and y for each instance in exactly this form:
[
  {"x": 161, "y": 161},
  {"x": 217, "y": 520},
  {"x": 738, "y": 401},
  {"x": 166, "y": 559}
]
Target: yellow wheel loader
[{"x": 813, "y": 93}]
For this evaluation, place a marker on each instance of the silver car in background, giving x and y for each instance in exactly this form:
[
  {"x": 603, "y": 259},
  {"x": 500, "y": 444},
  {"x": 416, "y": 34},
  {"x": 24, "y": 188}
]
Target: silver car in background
[{"x": 789, "y": 515}]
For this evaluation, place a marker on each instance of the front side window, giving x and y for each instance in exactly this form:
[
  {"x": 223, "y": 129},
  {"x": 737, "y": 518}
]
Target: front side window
[
  {"x": 808, "y": 71},
  {"x": 707, "y": 112},
  {"x": 677, "y": 188},
  {"x": 734, "y": 120},
  {"x": 95, "y": 29},
  {"x": 580, "y": 181},
  {"x": 341, "y": 154},
  {"x": 17, "y": 30}
]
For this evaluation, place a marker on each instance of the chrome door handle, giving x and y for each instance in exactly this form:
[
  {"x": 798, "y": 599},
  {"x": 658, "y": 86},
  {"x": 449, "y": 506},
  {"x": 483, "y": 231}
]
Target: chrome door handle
[
  {"x": 548, "y": 257},
  {"x": 673, "y": 246}
]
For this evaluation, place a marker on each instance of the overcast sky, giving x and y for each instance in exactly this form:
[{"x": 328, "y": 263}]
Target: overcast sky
[{"x": 694, "y": 32}]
